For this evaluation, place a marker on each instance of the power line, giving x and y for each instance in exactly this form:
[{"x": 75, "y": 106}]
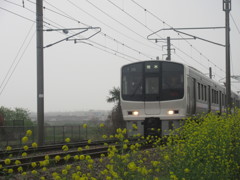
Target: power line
[
  {"x": 7, "y": 81},
  {"x": 114, "y": 52},
  {"x": 117, "y": 21},
  {"x": 15, "y": 59},
  {"x": 200, "y": 53},
  {"x": 17, "y": 15},
  {"x": 104, "y": 34},
  {"x": 235, "y": 23}
]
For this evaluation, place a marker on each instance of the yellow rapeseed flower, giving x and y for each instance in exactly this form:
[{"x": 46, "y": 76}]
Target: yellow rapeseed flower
[
  {"x": 101, "y": 125},
  {"x": 28, "y": 133},
  {"x": 44, "y": 169},
  {"x": 84, "y": 125},
  {"x": 34, "y": 172},
  {"x": 33, "y": 164},
  {"x": 8, "y": 148},
  {"x": 108, "y": 178},
  {"x": 24, "y": 154},
  {"x": 64, "y": 172},
  {"x": 89, "y": 141},
  {"x": 76, "y": 157},
  {"x": 132, "y": 166},
  {"x": 78, "y": 168},
  {"x": 34, "y": 145},
  {"x": 186, "y": 170},
  {"x": 90, "y": 166},
  {"x": 67, "y": 157},
  {"x": 17, "y": 162},
  {"x": 134, "y": 126},
  {"x": 65, "y": 148},
  {"x": 124, "y": 131},
  {"x": 68, "y": 167},
  {"x": 80, "y": 149},
  {"x": 7, "y": 161},
  {"x": 155, "y": 163},
  {"x": 25, "y": 148},
  {"x": 54, "y": 174},
  {"x": 88, "y": 157},
  {"x": 67, "y": 140},
  {"x": 24, "y": 173},
  {"x": 46, "y": 157},
  {"x": 57, "y": 158},
  {"x": 104, "y": 136},
  {"x": 25, "y": 139},
  {"x": 20, "y": 169},
  {"x": 82, "y": 157},
  {"x": 42, "y": 178},
  {"x": 10, "y": 171}
]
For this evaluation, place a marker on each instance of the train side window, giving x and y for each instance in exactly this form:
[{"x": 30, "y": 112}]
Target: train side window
[
  {"x": 212, "y": 96},
  {"x": 205, "y": 93},
  {"x": 202, "y": 92},
  {"x": 217, "y": 97},
  {"x": 199, "y": 93},
  {"x": 223, "y": 100}
]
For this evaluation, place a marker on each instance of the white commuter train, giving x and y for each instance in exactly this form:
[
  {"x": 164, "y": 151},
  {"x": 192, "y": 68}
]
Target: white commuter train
[{"x": 157, "y": 95}]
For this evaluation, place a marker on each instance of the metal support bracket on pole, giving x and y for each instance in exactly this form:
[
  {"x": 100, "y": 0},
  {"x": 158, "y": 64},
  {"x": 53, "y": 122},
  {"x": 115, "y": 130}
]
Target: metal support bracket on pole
[{"x": 69, "y": 37}]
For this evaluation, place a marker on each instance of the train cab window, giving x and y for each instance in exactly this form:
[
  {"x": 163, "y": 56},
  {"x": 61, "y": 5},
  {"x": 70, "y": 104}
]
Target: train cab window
[
  {"x": 152, "y": 81},
  {"x": 132, "y": 82},
  {"x": 172, "y": 81},
  {"x": 152, "y": 85}
]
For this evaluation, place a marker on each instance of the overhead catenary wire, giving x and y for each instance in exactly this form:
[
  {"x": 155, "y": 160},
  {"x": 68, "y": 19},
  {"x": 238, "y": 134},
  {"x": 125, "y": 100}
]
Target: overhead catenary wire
[
  {"x": 17, "y": 14},
  {"x": 125, "y": 26},
  {"x": 17, "y": 63},
  {"x": 115, "y": 40},
  {"x": 148, "y": 28},
  {"x": 234, "y": 22},
  {"x": 102, "y": 33},
  {"x": 64, "y": 14},
  {"x": 15, "y": 59},
  {"x": 164, "y": 22}
]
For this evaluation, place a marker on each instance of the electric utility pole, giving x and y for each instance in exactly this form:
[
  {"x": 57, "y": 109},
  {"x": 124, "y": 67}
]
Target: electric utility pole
[
  {"x": 168, "y": 49},
  {"x": 227, "y": 9},
  {"x": 40, "y": 74}
]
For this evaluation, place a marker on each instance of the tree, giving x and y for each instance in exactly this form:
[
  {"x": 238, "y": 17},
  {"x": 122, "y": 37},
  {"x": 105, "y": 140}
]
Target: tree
[
  {"x": 18, "y": 114},
  {"x": 117, "y": 117}
]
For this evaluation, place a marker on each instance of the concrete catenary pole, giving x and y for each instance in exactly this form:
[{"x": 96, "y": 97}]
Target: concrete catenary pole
[
  {"x": 227, "y": 9},
  {"x": 40, "y": 72},
  {"x": 168, "y": 49}
]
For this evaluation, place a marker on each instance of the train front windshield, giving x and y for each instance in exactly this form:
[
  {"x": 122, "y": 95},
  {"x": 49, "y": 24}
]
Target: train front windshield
[{"x": 152, "y": 81}]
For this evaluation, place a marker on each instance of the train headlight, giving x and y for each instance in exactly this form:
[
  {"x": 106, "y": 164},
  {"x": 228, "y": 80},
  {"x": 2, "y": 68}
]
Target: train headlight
[
  {"x": 170, "y": 112},
  {"x": 134, "y": 113}
]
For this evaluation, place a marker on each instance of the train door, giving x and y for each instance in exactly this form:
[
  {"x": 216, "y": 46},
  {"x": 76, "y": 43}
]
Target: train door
[
  {"x": 152, "y": 94},
  {"x": 192, "y": 95}
]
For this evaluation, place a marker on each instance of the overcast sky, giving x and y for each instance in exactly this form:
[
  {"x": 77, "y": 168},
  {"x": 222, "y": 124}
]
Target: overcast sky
[{"x": 79, "y": 76}]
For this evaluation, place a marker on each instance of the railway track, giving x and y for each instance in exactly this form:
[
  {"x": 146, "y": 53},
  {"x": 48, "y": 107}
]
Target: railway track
[
  {"x": 96, "y": 149},
  {"x": 49, "y": 148}
]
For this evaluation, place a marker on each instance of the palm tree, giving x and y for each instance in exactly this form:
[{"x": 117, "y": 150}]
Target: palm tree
[{"x": 117, "y": 117}]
